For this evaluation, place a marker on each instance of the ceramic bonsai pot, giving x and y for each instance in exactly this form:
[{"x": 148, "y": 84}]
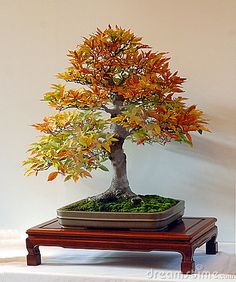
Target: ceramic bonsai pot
[{"x": 127, "y": 220}]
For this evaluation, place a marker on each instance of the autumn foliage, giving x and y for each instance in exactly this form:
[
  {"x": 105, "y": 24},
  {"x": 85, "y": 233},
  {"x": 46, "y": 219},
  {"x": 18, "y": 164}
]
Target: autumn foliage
[{"x": 124, "y": 90}]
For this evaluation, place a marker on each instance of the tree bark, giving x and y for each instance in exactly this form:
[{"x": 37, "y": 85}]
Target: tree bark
[{"x": 119, "y": 187}]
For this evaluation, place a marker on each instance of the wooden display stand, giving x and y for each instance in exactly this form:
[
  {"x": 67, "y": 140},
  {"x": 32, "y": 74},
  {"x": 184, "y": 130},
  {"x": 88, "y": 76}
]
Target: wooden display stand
[{"x": 183, "y": 237}]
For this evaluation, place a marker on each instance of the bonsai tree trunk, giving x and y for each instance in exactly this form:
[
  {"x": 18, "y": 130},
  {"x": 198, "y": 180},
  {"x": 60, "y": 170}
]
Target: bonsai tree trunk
[{"x": 119, "y": 187}]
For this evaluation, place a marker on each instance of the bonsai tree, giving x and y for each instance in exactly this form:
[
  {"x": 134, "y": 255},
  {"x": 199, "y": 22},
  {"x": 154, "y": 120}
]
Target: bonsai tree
[{"x": 124, "y": 91}]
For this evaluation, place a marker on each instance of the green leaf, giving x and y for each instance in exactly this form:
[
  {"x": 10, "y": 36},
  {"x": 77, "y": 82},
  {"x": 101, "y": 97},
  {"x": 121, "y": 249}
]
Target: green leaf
[
  {"x": 103, "y": 167},
  {"x": 68, "y": 177},
  {"x": 200, "y": 131},
  {"x": 184, "y": 139}
]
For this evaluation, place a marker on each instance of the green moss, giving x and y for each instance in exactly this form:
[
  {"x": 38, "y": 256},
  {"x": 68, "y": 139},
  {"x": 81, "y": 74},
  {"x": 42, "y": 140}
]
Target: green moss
[{"x": 149, "y": 203}]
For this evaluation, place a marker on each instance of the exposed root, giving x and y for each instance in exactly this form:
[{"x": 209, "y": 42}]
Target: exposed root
[
  {"x": 136, "y": 200},
  {"x": 105, "y": 197},
  {"x": 108, "y": 196}
]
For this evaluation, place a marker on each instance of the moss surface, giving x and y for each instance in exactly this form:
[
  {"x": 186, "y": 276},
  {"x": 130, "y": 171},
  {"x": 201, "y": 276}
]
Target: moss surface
[{"x": 150, "y": 204}]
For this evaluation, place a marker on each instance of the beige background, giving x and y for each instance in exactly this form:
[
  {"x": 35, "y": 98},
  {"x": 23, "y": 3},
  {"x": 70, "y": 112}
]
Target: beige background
[{"x": 201, "y": 39}]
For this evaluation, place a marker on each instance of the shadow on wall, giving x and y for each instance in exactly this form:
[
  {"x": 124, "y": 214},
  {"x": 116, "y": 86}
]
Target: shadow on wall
[
  {"x": 217, "y": 147},
  {"x": 213, "y": 151}
]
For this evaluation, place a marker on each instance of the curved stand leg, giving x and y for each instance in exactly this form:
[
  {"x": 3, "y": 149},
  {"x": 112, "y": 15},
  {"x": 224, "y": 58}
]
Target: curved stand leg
[
  {"x": 187, "y": 264},
  {"x": 33, "y": 257},
  {"x": 212, "y": 246}
]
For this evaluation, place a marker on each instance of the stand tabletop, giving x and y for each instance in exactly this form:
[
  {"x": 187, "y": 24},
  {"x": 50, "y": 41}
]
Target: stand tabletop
[{"x": 188, "y": 228}]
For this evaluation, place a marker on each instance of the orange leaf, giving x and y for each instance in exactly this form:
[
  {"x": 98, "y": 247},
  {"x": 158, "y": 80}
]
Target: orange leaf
[
  {"x": 52, "y": 175},
  {"x": 75, "y": 177},
  {"x": 169, "y": 96},
  {"x": 85, "y": 174},
  {"x": 189, "y": 137},
  {"x": 141, "y": 141}
]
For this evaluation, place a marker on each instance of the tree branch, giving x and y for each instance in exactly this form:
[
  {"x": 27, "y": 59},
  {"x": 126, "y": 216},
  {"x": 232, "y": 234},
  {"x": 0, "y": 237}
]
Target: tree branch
[{"x": 107, "y": 110}]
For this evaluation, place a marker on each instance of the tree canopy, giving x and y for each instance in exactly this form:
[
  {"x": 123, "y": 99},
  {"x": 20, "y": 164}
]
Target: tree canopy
[{"x": 124, "y": 90}]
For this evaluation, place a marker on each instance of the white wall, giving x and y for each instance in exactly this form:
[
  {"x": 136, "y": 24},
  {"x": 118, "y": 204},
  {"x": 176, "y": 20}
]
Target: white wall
[{"x": 200, "y": 36}]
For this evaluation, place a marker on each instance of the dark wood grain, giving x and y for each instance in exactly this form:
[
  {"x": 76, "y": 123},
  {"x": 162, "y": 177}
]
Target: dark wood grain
[{"x": 183, "y": 237}]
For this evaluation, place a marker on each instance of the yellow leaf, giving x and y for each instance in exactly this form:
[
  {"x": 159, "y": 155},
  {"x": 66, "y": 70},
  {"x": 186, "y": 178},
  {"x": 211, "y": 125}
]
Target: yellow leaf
[
  {"x": 157, "y": 128},
  {"x": 107, "y": 147},
  {"x": 31, "y": 173},
  {"x": 135, "y": 119},
  {"x": 117, "y": 119},
  {"x": 52, "y": 175},
  {"x": 83, "y": 140}
]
